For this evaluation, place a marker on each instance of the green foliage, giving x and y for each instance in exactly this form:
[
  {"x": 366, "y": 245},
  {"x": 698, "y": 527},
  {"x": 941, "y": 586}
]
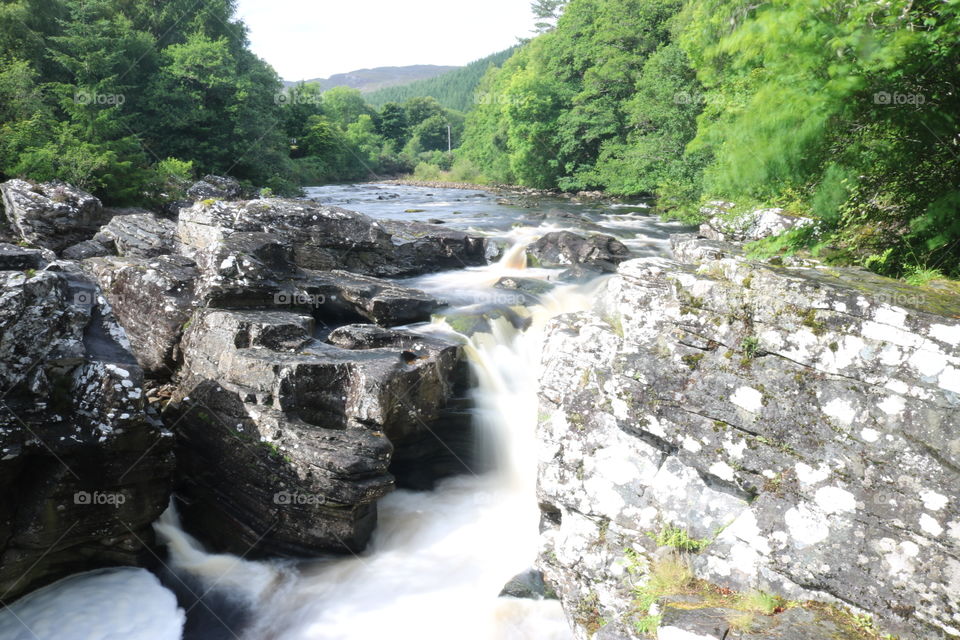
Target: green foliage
[
  {"x": 455, "y": 89},
  {"x": 679, "y": 539},
  {"x": 594, "y": 103}
]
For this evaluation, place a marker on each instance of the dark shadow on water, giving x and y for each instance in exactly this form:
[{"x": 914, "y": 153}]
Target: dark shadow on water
[{"x": 210, "y": 616}]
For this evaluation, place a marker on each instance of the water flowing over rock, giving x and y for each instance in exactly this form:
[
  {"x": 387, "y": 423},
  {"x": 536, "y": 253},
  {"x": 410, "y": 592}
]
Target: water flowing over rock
[
  {"x": 53, "y": 215},
  {"x": 84, "y": 469},
  {"x": 286, "y": 442},
  {"x": 566, "y": 249},
  {"x": 798, "y": 425}
]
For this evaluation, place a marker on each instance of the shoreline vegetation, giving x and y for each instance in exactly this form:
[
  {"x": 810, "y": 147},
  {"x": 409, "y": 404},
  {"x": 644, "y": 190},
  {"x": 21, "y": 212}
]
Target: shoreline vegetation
[{"x": 685, "y": 101}]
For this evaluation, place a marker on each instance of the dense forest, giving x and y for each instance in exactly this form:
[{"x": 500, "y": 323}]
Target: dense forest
[
  {"x": 455, "y": 89},
  {"x": 845, "y": 111},
  {"x": 131, "y": 99}
]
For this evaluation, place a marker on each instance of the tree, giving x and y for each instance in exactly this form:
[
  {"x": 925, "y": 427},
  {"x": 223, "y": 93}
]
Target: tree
[
  {"x": 393, "y": 123},
  {"x": 548, "y": 12}
]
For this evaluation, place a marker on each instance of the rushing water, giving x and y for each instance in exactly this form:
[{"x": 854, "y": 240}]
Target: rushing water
[{"x": 438, "y": 559}]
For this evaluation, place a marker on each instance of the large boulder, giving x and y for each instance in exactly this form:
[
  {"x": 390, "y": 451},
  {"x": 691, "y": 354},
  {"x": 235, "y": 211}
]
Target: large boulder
[
  {"x": 565, "y": 249},
  {"x": 792, "y": 429},
  {"x": 726, "y": 225},
  {"x": 83, "y": 468},
  {"x": 215, "y": 188},
  {"x": 285, "y": 442},
  {"x": 53, "y": 215},
  {"x": 139, "y": 234},
  {"x": 153, "y": 299},
  {"x": 323, "y": 238}
]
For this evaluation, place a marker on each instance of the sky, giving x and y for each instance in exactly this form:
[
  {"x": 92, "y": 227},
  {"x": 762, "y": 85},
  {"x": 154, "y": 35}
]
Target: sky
[{"x": 305, "y": 39}]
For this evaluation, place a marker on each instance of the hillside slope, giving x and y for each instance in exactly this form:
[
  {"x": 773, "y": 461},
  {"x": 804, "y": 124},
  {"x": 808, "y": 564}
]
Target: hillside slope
[
  {"x": 454, "y": 89},
  {"x": 369, "y": 80}
]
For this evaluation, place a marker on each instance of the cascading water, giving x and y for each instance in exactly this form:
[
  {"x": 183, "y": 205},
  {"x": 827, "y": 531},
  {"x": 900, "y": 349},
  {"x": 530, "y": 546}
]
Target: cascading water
[{"x": 438, "y": 559}]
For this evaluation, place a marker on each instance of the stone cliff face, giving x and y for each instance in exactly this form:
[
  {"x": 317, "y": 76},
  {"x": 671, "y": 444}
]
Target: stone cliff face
[
  {"x": 240, "y": 355},
  {"x": 84, "y": 467},
  {"x": 793, "y": 429}
]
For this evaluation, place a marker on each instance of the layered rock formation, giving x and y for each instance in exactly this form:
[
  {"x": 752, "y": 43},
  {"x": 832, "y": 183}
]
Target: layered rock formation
[
  {"x": 790, "y": 429},
  {"x": 84, "y": 468},
  {"x": 288, "y": 421},
  {"x": 52, "y": 215}
]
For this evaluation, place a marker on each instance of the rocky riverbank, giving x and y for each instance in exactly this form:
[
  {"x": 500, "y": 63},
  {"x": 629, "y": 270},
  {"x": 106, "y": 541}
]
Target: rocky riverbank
[
  {"x": 239, "y": 354},
  {"x": 722, "y": 425}
]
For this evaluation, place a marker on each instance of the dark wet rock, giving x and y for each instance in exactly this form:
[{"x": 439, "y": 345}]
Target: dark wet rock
[
  {"x": 564, "y": 249},
  {"x": 84, "y": 470},
  {"x": 139, "y": 235},
  {"x": 153, "y": 298},
  {"x": 526, "y": 291},
  {"x": 84, "y": 250},
  {"x": 16, "y": 258},
  {"x": 528, "y": 585},
  {"x": 287, "y": 442},
  {"x": 53, "y": 215},
  {"x": 215, "y": 188},
  {"x": 802, "y": 420},
  {"x": 423, "y": 248}
]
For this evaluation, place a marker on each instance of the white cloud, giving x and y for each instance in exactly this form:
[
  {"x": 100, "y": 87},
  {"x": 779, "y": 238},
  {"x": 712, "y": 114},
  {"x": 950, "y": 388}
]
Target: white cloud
[{"x": 309, "y": 39}]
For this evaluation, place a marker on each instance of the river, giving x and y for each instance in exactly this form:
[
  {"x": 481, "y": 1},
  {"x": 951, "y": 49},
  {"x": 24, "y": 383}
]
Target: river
[{"x": 438, "y": 559}]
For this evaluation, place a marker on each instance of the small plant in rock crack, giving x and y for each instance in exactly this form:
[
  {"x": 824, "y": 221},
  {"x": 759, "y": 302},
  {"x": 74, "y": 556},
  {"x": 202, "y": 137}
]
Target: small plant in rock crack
[
  {"x": 679, "y": 539},
  {"x": 751, "y": 347}
]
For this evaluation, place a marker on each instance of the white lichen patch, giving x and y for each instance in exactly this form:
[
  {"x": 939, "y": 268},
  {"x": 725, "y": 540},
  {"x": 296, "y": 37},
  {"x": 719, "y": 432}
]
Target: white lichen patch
[
  {"x": 933, "y": 501},
  {"x": 841, "y": 410},
  {"x": 946, "y": 333},
  {"x": 808, "y": 475},
  {"x": 748, "y": 399},
  {"x": 735, "y": 449},
  {"x": 806, "y": 526},
  {"x": 835, "y": 500},
  {"x": 930, "y": 524},
  {"x": 722, "y": 470},
  {"x": 950, "y": 379},
  {"x": 892, "y": 405}
]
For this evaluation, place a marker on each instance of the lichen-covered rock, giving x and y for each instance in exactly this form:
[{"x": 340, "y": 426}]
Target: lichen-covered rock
[
  {"x": 139, "y": 235},
  {"x": 53, "y": 215},
  {"x": 215, "y": 188},
  {"x": 725, "y": 226},
  {"x": 286, "y": 442},
  {"x": 800, "y": 424},
  {"x": 565, "y": 249},
  {"x": 153, "y": 298},
  {"x": 83, "y": 468}
]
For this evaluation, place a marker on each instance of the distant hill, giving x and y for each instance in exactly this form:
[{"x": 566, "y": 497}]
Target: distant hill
[
  {"x": 454, "y": 89},
  {"x": 367, "y": 80}
]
